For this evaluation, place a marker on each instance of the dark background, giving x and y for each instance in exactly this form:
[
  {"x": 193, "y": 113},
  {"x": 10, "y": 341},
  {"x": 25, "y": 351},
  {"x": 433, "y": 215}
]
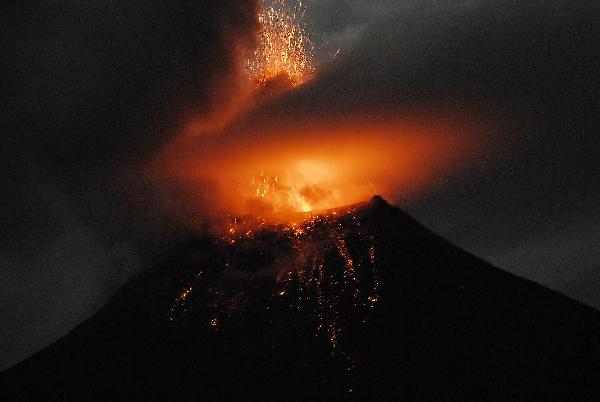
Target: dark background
[{"x": 94, "y": 88}]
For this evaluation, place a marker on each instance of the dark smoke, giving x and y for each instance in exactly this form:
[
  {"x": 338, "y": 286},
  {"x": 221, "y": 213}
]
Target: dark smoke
[{"x": 94, "y": 88}]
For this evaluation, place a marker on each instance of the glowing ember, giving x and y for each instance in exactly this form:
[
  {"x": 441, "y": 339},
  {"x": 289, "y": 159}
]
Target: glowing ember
[
  {"x": 301, "y": 189},
  {"x": 318, "y": 272},
  {"x": 281, "y": 171},
  {"x": 285, "y": 46},
  {"x": 180, "y": 302}
]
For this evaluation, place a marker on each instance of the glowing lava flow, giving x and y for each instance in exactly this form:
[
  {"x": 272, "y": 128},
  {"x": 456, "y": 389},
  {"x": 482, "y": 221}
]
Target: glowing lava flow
[
  {"x": 285, "y": 47},
  {"x": 325, "y": 266},
  {"x": 326, "y": 274}
]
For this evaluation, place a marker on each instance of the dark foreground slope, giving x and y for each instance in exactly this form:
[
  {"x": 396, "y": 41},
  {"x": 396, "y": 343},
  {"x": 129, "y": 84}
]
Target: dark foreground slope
[{"x": 364, "y": 303}]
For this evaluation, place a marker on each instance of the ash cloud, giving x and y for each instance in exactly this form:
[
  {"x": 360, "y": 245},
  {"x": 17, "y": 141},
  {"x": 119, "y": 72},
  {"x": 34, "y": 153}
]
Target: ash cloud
[{"x": 92, "y": 89}]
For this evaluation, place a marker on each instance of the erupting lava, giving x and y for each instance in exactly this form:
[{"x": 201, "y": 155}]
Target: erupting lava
[
  {"x": 285, "y": 46},
  {"x": 279, "y": 193},
  {"x": 305, "y": 186}
]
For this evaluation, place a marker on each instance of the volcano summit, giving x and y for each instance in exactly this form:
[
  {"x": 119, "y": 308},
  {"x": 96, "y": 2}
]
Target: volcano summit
[{"x": 359, "y": 302}]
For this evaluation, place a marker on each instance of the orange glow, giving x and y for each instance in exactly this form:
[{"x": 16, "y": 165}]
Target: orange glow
[{"x": 294, "y": 168}]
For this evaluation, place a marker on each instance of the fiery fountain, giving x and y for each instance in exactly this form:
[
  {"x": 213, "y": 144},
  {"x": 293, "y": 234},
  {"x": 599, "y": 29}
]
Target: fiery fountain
[{"x": 285, "y": 45}]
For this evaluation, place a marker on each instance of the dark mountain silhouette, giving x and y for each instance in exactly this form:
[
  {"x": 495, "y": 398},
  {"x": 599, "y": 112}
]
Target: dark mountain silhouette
[{"x": 362, "y": 302}]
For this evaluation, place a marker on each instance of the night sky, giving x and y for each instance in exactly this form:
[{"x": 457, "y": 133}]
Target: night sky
[{"x": 93, "y": 89}]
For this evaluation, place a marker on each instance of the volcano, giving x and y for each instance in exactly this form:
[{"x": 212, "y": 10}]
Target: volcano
[{"x": 359, "y": 302}]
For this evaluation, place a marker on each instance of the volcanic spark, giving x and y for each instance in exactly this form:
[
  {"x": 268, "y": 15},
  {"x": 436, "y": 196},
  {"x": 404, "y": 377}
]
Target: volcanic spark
[
  {"x": 324, "y": 263},
  {"x": 285, "y": 46}
]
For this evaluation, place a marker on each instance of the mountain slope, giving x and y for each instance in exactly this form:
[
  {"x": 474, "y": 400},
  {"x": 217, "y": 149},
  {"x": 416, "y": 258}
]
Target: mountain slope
[{"x": 362, "y": 302}]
